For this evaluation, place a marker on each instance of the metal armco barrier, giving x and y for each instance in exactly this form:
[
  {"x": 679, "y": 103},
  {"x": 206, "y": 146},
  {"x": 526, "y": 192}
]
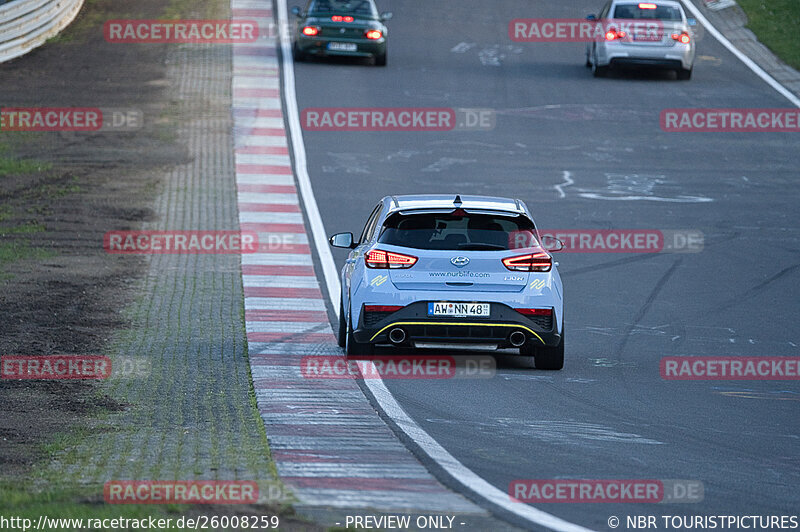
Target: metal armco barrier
[{"x": 26, "y": 24}]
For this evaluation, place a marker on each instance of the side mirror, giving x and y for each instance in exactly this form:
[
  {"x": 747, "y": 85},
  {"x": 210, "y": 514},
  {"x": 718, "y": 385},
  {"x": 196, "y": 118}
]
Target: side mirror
[
  {"x": 591, "y": 17},
  {"x": 386, "y": 15},
  {"x": 551, "y": 243},
  {"x": 296, "y": 11},
  {"x": 691, "y": 21},
  {"x": 342, "y": 240}
]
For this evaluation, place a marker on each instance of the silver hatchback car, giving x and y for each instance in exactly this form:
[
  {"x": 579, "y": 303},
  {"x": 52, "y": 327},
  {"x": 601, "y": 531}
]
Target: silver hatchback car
[{"x": 643, "y": 34}]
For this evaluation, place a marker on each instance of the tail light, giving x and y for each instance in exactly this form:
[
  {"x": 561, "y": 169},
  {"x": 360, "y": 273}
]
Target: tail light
[
  {"x": 374, "y": 34},
  {"x": 682, "y": 37},
  {"x": 647, "y": 6},
  {"x": 382, "y": 308},
  {"x": 310, "y": 31},
  {"x": 532, "y": 262},
  {"x": 377, "y": 258},
  {"x": 535, "y": 311},
  {"x": 340, "y": 18},
  {"x": 614, "y": 34}
]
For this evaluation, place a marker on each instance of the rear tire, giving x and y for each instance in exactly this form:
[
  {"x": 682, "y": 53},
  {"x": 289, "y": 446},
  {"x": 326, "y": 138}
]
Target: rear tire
[
  {"x": 599, "y": 71},
  {"x": 380, "y": 60},
  {"x": 550, "y": 358},
  {"x": 342, "y": 337},
  {"x": 299, "y": 56},
  {"x": 355, "y": 349},
  {"x": 684, "y": 74}
]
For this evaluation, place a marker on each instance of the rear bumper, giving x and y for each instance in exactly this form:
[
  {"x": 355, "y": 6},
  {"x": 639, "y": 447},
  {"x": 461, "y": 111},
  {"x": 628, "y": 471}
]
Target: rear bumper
[
  {"x": 665, "y": 64},
  {"x": 678, "y": 56},
  {"x": 418, "y": 327},
  {"x": 319, "y": 47}
]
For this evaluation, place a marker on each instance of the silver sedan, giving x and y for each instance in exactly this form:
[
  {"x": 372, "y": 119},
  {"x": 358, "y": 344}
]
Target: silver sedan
[{"x": 642, "y": 34}]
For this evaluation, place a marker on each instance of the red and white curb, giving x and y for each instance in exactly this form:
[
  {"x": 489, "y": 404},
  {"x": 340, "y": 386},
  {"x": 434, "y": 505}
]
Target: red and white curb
[{"x": 330, "y": 445}]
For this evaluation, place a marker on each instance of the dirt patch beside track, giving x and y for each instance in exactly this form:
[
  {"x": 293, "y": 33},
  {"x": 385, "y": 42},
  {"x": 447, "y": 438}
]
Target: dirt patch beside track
[{"x": 60, "y": 293}]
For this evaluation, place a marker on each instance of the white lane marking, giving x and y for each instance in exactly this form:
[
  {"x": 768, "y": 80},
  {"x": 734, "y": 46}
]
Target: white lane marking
[
  {"x": 261, "y": 102},
  {"x": 679, "y": 199},
  {"x": 344, "y": 470},
  {"x": 410, "y": 502},
  {"x": 280, "y": 281},
  {"x": 276, "y": 259},
  {"x": 290, "y": 349},
  {"x": 569, "y": 432},
  {"x": 462, "y": 47},
  {"x": 247, "y": 61},
  {"x": 276, "y": 241},
  {"x": 298, "y": 147},
  {"x": 567, "y": 182},
  {"x": 264, "y": 179},
  {"x": 283, "y": 303},
  {"x": 265, "y": 198},
  {"x": 635, "y": 187},
  {"x": 456, "y": 469},
  {"x": 261, "y": 140},
  {"x": 243, "y": 122},
  {"x": 760, "y": 72},
  {"x": 288, "y": 326},
  {"x": 445, "y": 163},
  {"x": 261, "y": 82},
  {"x": 264, "y": 159}
]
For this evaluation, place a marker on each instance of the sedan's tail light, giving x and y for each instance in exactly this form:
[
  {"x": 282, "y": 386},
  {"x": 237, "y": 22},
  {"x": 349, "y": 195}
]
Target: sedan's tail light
[
  {"x": 532, "y": 262},
  {"x": 682, "y": 37},
  {"x": 374, "y": 34},
  {"x": 377, "y": 258},
  {"x": 310, "y": 31},
  {"x": 535, "y": 311},
  {"x": 612, "y": 34},
  {"x": 340, "y": 18}
]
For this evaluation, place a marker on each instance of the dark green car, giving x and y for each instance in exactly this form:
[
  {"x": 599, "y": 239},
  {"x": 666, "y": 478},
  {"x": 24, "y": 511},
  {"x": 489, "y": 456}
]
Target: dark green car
[{"x": 341, "y": 28}]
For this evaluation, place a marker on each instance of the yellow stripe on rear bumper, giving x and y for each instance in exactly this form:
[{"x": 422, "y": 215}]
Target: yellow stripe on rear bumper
[{"x": 467, "y": 324}]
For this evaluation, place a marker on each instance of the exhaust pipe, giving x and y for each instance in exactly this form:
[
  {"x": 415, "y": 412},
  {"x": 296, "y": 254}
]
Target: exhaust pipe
[
  {"x": 517, "y": 338},
  {"x": 397, "y": 336}
]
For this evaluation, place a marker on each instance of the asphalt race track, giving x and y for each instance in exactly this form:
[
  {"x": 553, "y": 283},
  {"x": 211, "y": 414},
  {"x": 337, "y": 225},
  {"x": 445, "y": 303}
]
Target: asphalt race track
[{"x": 587, "y": 153}]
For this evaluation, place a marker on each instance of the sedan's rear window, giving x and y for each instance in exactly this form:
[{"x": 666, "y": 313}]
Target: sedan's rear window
[
  {"x": 355, "y": 7},
  {"x": 458, "y": 231},
  {"x": 633, "y": 11}
]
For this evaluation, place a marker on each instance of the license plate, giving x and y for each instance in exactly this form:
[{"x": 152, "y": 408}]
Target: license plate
[
  {"x": 646, "y": 37},
  {"x": 459, "y": 310},
  {"x": 343, "y": 46}
]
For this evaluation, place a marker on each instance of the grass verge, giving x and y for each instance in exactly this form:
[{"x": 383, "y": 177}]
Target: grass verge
[{"x": 776, "y": 23}]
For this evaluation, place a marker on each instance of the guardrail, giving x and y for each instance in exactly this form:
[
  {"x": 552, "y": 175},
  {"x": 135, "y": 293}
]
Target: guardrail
[{"x": 26, "y": 24}]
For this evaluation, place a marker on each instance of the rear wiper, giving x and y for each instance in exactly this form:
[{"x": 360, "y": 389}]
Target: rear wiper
[{"x": 479, "y": 246}]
